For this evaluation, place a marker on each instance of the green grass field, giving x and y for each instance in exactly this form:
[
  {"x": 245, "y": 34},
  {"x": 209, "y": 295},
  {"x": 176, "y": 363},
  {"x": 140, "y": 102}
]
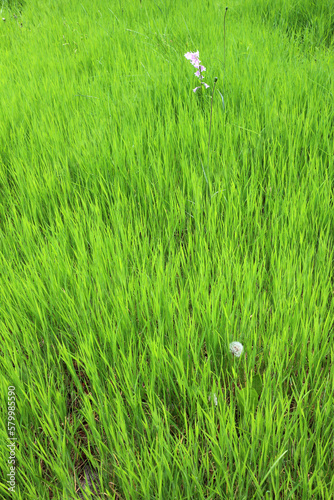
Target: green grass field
[{"x": 129, "y": 261}]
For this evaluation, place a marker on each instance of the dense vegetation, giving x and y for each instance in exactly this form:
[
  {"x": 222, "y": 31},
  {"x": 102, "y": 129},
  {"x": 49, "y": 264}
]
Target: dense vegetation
[{"x": 129, "y": 261}]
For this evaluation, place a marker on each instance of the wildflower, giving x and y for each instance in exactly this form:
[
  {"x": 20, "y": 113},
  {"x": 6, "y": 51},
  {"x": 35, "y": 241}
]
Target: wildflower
[
  {"x": 198, "y": 73},
  {"x": 193, "y": 57},
  {"x": 236, "y": 348}
]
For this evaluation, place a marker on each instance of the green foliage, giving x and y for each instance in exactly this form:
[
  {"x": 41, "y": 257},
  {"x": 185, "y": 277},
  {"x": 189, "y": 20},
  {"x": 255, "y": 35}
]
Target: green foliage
[
  {"x": 309, "y": 21},
  {"x": 13, "y": 5},
  {"x": 257, "y": 384},
  {"x": 247, "y": 397},
  {"x": 122, "y": 284},
  {"x": 247, "y": 400}
]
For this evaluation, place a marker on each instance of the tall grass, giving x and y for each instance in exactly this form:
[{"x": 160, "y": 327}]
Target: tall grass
[
  {"x": 310, "y": 21},
  {"x": 122, "y": 283}
]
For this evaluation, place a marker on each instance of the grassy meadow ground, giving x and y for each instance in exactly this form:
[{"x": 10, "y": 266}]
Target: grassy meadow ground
[{"x": 124, "y": 275}]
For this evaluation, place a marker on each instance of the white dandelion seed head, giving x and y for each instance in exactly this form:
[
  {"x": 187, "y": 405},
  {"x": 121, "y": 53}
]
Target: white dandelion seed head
[{"x": 236, "y": 348}]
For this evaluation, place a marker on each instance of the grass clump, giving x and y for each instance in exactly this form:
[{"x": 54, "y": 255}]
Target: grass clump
[
  {"x": 310, "y": 22},
  {"x": 126, "y": 292}
]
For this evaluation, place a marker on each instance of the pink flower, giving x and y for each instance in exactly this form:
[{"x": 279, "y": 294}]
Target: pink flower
[
  {"x": 205, "y": 84},
  {"x": 198, "y": 73},
  {"x": 193, "y": 57}
]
